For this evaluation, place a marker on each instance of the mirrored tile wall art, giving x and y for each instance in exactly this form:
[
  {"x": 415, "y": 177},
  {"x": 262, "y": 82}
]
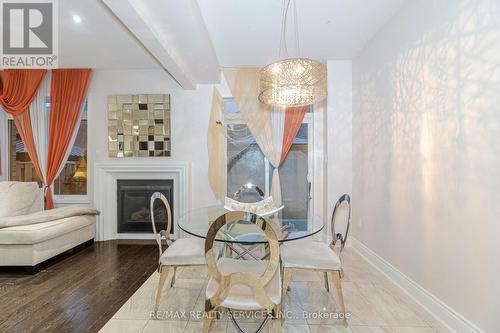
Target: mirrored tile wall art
[{"x": 139, "y": 125}]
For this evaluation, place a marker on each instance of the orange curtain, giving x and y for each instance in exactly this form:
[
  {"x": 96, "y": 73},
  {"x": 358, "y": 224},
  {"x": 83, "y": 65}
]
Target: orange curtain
[
  {"x": 293, "y": 121},
  {"x": 23, "y": 124},
  {"x": 67, "y": 93},
  {"x": 18, "y": 88}
]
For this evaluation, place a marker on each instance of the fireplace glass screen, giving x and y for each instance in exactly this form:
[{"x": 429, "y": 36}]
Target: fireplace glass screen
[{"x": 134, "y": 197}]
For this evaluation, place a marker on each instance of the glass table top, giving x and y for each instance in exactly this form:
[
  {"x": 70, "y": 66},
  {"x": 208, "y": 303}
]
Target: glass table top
[{"x": 197, "y": 222}]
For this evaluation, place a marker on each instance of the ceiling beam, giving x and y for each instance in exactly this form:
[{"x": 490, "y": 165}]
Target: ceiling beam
[{"x": 175, "y": 34}]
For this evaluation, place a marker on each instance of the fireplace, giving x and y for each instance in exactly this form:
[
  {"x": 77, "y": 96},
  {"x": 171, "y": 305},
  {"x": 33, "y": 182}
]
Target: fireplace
[{"x": 134, "y": 197}]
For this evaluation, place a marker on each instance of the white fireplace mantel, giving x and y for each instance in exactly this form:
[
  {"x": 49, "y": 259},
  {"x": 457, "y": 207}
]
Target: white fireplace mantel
[{"x": 105, "y": 194}]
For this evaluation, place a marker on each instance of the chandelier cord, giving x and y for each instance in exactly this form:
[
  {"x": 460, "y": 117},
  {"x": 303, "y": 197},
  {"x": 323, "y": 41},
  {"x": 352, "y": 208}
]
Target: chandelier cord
[
  {"x": 284, "y": 23},
  {"x": 284, "y": 15},
  {"x": 296, "y": 22}
]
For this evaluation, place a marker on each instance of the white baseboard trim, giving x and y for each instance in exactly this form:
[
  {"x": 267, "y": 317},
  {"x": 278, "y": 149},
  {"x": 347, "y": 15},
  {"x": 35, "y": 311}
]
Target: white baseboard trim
[{"x": 443, "y": 313}]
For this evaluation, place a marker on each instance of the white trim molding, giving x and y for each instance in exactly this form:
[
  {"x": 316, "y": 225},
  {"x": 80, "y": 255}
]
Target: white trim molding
[
  {"x": 105, "y": 197},
  {"x": 449, "y": 318}
]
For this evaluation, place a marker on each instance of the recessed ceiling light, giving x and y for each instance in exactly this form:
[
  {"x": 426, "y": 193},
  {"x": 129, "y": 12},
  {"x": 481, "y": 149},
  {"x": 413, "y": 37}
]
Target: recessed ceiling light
[{"x": 77, "y": 19}]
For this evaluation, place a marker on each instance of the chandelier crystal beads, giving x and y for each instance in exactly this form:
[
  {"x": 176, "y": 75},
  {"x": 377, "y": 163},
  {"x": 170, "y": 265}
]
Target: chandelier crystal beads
[{"x": 293, "y": 82}]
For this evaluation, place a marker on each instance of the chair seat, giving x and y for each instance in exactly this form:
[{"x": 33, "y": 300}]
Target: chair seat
[
  {"x": 184, "y": 251},
  {"x": 241, "y": 297},
  {"x": 308, "y": 254}
]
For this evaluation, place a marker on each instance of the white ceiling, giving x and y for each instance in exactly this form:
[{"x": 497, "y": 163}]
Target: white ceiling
[
  {"x": 175, "y": 34},
  {"x": 243, "y": 32},
  {"x": 99, "y": 41},
  {"x": 248, "y": 32}
]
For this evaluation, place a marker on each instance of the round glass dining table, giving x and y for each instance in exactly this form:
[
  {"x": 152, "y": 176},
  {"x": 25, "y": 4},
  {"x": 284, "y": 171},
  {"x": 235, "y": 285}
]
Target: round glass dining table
[{"x": 196, "y": 222}]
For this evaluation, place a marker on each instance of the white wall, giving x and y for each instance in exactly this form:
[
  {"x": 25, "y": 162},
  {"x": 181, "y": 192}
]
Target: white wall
[
  {"x": 426, "y": 151},
  {"x": 339, "y": 131},
  {"x": 190, "y": 110}
]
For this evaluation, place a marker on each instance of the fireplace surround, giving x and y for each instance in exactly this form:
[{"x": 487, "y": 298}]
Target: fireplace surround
[{"x": 105, "y": 197}]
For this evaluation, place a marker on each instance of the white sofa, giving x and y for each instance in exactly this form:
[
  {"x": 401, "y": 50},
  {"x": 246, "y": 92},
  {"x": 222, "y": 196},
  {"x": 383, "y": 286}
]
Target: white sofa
[{"x": 29, "y": 235}]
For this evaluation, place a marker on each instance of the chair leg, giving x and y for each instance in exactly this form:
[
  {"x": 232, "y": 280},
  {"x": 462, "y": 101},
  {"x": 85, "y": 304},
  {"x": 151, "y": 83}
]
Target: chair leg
[
  {"x": 207, "y": 321},
  {"x": 163, "y": 277},
  {"x": 287, "y": 277},
  {"x": 327, "y": 286},
  {"x": 276, "y": 326},
  {"x": 228, "y": 252},
  {"x": 277, "y": 311},
  {"x": 173, "y": 277},
  {"x": 338, "y": 285}
]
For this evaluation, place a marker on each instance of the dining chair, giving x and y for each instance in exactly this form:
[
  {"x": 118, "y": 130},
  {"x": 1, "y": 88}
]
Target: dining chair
[
  {"x": 243, "y": 285},
  {"x": 181, "y": 252},
  {"x": 318, "y": 256}
]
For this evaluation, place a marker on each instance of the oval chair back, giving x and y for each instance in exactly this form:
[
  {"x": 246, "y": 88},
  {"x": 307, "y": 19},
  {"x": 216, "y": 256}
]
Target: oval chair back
[
  {"x": 162, "y": 234},
  {"x": 226, "y": 282},
  {"x": 340, "y": 231}
]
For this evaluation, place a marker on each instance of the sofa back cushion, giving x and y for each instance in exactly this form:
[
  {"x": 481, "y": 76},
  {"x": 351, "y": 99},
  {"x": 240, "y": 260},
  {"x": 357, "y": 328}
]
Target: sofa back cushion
[{"x": 20, "y": 198}]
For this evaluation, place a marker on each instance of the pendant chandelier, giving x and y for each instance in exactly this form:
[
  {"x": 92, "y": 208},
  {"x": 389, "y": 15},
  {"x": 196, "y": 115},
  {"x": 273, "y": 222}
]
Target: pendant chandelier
[{"x": 292, "y": 81}]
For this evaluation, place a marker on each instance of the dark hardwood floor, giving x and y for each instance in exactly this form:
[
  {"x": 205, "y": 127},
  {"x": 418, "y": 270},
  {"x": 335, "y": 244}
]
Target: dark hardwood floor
[{"x": 75, "y": 292}]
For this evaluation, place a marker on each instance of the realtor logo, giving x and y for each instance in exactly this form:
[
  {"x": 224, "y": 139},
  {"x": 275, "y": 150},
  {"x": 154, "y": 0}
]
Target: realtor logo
[{"x": 29, "y": 34}]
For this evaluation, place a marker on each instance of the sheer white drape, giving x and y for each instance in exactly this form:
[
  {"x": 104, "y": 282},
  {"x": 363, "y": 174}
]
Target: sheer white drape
[
  {"x": 278, "y": 128},
  {"x": 39, "y": 123},
  {"x": 266, "y": 124},
  {"x": 244, "y": 86}
]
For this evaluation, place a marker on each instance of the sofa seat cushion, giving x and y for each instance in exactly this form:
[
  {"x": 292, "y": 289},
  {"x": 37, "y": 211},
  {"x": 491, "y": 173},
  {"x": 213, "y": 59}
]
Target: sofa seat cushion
[{"x": 40, "y": 232}]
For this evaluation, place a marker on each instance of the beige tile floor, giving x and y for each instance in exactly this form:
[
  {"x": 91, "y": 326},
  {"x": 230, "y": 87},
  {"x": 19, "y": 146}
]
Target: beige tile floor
[{"x": 374, "y": 303}]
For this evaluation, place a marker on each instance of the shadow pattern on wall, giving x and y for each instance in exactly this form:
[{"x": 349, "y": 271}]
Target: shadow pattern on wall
[{"x": 426, "y": 148}]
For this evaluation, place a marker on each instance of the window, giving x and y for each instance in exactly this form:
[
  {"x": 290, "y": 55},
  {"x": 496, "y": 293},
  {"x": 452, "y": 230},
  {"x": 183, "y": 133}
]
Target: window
[
  {"x": 294, "y": 177},
  {"x": 20, "y": 168},
  {"x": 73, "y": 178},
  {"x": 247, "y": 164}
]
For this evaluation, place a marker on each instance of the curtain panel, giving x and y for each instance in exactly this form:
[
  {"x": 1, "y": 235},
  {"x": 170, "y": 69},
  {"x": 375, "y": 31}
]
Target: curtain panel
[
  {"x": 293, "y": 121},
  {"x": 23, "y": 125},
  {"x": 22, "y": 95},
  {"x": 216, "y": 145},
  {"x": 67, "y": 95},
  {"x": 274, "y": 128},
  {"x": 264, "y": 122},
  {"x": 18, "y": 89},
  {"x": 39, "y": 125},
  {"x": 244, "y": 86}
]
